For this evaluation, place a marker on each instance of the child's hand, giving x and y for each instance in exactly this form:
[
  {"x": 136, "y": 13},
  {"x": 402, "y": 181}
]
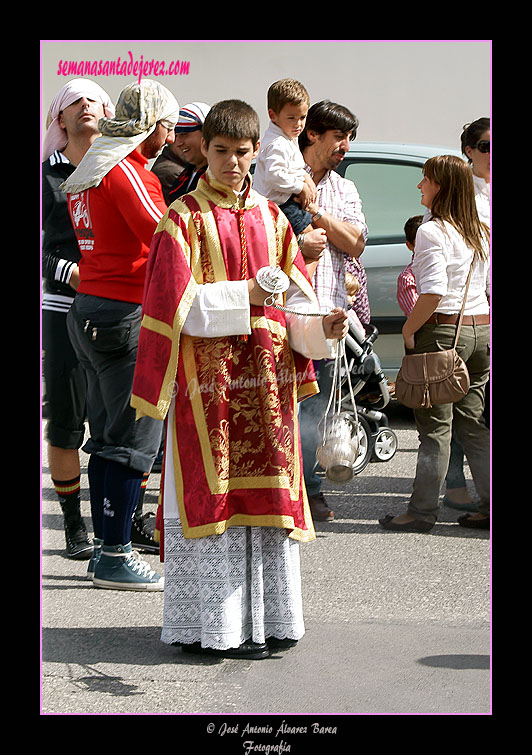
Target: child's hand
[
  {"x": 335, "y": 324},
  {"x": 307, "y": 194},
  {"x": 312, "y": 187}
]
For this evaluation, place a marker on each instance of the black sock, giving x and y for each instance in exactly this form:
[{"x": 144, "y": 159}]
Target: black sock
[
  {"x": 97, "y": 468},
  {"x": 122, "y": 489}
]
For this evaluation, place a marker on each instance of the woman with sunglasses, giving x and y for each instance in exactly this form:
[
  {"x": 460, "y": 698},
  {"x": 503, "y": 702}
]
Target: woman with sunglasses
[
  {"x": 476, "y": 147},
  {"x": 475, "y": 142},
  {"x": 446, "y": 245}
]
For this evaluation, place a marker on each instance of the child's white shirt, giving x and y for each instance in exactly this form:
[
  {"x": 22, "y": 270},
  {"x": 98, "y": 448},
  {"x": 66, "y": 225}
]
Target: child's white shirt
[{"x": 280, "y": 167}]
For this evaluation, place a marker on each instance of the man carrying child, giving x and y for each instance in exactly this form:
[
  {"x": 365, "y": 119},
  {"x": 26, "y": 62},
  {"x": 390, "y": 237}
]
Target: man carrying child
[{"x": 280, "y": 172}]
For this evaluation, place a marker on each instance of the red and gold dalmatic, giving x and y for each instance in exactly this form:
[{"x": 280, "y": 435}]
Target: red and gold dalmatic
[{"x": 235, "y": 437}]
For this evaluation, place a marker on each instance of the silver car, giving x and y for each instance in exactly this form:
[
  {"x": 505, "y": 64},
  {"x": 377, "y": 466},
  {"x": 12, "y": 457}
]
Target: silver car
[{"x": 386, "y": 176}]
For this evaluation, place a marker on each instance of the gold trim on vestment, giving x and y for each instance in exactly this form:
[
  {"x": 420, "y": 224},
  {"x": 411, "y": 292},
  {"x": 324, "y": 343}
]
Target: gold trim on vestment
[
  {"x": 213, "y": 246},
  {"x": 274, "y": 248},
  {"x": 300, "y": 280},
  {"x": 218, "y": 484},
  {"x": 238, "y": 520},
  {"x": 173, "y": 333}
]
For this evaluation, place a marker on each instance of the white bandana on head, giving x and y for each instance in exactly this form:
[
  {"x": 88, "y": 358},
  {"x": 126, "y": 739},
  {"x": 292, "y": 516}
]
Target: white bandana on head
[
  {"x": 138, "y": 110},
  {"x": 55, "y": 137}
]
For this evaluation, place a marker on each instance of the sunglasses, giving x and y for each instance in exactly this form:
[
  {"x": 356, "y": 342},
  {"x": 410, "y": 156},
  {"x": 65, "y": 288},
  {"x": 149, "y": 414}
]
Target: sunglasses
[{"x": 483, "y": 145}]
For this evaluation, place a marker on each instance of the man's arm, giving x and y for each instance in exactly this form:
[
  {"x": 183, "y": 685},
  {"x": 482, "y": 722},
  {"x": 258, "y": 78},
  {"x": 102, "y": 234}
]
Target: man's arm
[
  {"x": 139, "y": 198},
  {"x": 343, "y": 234}
]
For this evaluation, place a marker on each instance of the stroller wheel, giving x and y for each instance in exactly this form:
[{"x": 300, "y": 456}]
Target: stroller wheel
[
  {"x": 385, "y": 444},
  {"x": 365, "y": 446}
]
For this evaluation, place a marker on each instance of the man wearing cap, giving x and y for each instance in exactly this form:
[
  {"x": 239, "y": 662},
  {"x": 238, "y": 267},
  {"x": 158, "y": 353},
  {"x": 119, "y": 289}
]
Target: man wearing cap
[
  {"x": 168, "y": 166},
  {"x": 115, "y": 203},
  {"x": 71, "y": 127},
  {"x": 188, "y": 132}
]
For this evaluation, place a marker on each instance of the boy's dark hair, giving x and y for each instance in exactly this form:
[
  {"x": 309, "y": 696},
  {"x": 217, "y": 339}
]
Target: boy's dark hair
[
  {"x": 286, "y": 91},
  {"x": 233, "y": 119},
  {"x": 411, "y": 226},
  {"x": 326, "y": 116}
]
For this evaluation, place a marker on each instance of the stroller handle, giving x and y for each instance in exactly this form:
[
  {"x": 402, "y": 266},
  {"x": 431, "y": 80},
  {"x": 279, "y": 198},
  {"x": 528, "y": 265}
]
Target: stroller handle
[{"x": 372, "y": 332}]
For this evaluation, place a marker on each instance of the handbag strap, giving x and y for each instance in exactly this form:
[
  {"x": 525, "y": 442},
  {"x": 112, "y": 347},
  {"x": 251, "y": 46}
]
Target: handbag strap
[{"x": 461, "y": 317}]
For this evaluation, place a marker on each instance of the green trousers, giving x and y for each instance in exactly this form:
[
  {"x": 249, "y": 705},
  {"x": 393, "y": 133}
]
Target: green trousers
[{"x": 435, "y": 425}]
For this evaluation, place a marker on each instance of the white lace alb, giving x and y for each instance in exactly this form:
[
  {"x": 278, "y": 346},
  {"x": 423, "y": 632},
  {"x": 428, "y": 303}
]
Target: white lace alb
[{"x": 225, "y": 589}]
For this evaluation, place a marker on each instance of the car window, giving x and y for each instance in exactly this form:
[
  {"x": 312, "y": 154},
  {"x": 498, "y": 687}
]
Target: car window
[{"x": 389, "y": 196}]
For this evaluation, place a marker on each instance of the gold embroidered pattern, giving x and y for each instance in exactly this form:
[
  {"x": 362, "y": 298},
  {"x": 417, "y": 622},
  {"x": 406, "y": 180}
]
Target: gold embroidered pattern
[{"x": 242, "y": 392}]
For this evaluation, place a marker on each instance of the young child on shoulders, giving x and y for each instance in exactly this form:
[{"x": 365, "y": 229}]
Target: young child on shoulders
[{"x": 280, "y": 172}]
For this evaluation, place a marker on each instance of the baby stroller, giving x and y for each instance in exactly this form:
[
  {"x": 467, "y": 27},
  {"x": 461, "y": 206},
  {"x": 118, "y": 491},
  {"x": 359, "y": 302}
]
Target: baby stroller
[{"x": 370, "y": 389}]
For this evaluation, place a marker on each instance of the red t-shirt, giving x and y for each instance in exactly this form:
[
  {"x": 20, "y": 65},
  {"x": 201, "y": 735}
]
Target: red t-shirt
[
  {"x": 114, "y": 224},
  {"x": 407, "y": 294}
]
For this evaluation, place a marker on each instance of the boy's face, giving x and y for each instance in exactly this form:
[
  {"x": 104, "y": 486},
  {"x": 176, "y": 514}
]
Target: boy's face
[
  {"x": 230, "y": 159},
  {"x": 290, "y": 119}
]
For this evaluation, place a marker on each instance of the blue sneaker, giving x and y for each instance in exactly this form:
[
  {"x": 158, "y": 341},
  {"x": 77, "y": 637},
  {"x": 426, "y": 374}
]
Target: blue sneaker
[
  {"x": 121, "y": 568},
  {"x": 96, "y": 553}
]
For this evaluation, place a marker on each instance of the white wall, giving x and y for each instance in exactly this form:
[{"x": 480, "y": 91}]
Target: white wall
[{"x": 413, "y": 91}]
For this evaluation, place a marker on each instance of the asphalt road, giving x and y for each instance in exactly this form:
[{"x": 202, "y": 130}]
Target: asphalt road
[{"x": 395, "y": 624}]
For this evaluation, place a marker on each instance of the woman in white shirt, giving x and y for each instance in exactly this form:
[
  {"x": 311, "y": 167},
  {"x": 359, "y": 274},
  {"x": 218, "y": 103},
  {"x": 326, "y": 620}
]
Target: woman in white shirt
[{"x": 445, "y": 247}]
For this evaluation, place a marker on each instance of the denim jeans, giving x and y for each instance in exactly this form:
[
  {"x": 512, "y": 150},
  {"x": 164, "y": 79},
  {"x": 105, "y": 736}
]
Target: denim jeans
[
  {"x": 465, "y": 418},
  {"x": 311, "y": 410},
  {"x": 104, "y": 334},
  {"x": 298, "y": 218},
  {"x": 455, "y": 474}
]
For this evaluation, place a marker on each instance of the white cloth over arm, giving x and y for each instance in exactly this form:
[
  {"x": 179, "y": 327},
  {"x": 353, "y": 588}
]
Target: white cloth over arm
[
  {"x": 219, "y": 309},
  {"x": 305, "y": 333},
  {"x": 222, "y": 309}
]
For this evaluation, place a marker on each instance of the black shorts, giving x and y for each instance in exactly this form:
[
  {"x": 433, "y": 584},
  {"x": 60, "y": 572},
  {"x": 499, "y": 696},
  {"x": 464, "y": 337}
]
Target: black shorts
[
  {"x": 105, "y": 336},
  {"x": 65, "y": 384}
]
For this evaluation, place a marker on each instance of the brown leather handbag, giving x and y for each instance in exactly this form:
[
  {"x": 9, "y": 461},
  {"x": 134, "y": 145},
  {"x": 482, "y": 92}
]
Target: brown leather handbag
[{"x": 434, "y": 377}]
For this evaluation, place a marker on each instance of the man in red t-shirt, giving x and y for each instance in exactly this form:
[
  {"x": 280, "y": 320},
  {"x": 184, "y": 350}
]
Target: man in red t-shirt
[{"x": 115, "y": 203}]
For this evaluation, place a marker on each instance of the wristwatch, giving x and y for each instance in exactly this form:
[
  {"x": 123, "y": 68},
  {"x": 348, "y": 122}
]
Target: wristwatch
[{"x": 316, "y": 216}]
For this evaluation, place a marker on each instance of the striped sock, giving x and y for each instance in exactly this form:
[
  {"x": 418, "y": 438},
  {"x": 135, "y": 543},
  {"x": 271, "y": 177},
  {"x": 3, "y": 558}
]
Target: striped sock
[{"x": 69, "y": 494}]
